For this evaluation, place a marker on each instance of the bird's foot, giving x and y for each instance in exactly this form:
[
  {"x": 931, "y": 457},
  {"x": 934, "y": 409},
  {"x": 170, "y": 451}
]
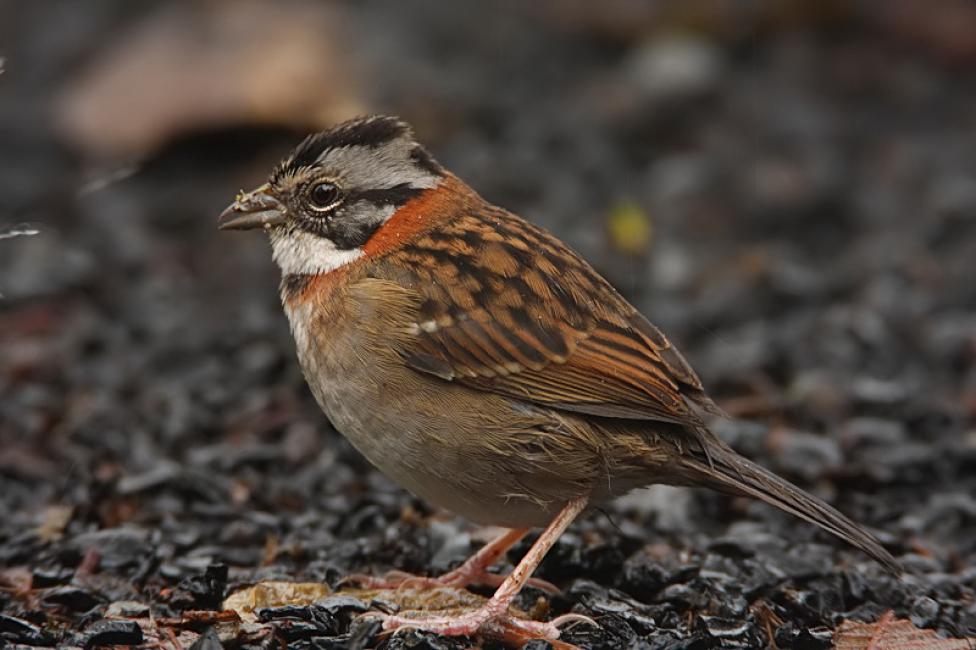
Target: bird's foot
[
  {"x": 391, "y": 580},
  {"x": 489, "y": 620}
]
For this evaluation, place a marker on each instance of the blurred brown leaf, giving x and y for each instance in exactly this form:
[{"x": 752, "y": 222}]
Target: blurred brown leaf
[
  {"x": 195, "y": 66},
  {"x": 946, "y": 29},
  {"x": 634, "y": 20},
  {"x": 889, "y": 633},
  {"x": 53, "y": 522}
]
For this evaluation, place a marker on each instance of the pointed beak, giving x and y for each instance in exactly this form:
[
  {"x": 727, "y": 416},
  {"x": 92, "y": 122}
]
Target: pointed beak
[{"x": 255, "y": 209}]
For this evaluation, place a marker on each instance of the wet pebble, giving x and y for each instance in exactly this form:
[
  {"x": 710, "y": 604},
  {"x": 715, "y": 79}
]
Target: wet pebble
[
  {"x": 209, "y": 640},
  {"x": 16, "y": 630},
  {"x": 74, "y": 598},
  {"x": 330, "y": 616},
  {"x": 127, "y": 609},
  {"x": 50, "y": 577},
  {"x": 731, "y": 630},
  {"x": 109, "y": 632},
  {"x": 789, "y": 636},
  {"x": 643, "y": 577},
  {"x": 416, "y": 640},
  {"x": 116, "y": 547},
  {"x": 613, "y": 633},
  {"x": 666, "y": 67},
  {"x": 924, "y": 612},
  {"x": 807, "y": 455},
  {"x": 207, "y": 591}
]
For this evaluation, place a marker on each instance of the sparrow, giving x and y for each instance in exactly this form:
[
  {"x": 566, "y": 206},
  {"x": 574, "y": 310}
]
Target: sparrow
[{"x": 479, "y": 362}]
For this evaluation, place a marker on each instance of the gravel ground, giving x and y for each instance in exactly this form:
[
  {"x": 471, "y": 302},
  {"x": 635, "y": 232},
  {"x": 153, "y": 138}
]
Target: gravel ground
[{"x": 788, "y": 192}]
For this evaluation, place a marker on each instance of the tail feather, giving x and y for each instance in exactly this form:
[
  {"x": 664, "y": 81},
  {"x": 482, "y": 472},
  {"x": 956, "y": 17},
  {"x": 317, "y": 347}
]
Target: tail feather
[{"x": 728, "y": 471}]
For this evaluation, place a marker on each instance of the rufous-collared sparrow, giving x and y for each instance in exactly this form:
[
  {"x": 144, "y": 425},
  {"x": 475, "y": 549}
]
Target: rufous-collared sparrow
[{"x": 478, "y": 361}]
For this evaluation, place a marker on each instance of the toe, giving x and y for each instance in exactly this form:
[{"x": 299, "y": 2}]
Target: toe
[{"x": 569, "y": 620}]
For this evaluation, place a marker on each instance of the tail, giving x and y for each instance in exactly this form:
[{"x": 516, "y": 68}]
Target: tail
[{"x": 727, "y": 471}]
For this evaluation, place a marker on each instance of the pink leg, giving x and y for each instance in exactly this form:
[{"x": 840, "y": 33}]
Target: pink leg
[
  {"x": 476, "y": 566},
  {"x": 494, "y": 616},
  {"x": 473, "y": 571}
]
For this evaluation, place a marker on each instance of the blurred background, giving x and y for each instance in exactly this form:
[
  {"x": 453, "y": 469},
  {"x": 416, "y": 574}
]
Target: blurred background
[{"x": 788, "y": 189}]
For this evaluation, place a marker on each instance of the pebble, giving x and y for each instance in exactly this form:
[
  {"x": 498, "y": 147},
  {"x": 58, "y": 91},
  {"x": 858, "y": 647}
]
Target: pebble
[
  {"x": 108, "y": 632},
  {"x": 16, "y": 630}
]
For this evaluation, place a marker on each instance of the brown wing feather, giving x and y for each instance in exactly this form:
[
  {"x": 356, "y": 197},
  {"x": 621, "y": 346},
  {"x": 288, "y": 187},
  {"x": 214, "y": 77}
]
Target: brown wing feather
[{"x": 505, "y": 307}]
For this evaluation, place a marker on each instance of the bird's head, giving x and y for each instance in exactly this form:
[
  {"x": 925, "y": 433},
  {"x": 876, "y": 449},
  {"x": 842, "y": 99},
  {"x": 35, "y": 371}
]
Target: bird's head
[{"x": 327, "y": 198}]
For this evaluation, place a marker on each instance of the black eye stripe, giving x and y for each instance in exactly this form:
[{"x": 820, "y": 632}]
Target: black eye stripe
[
  {"x": 353, "y": 222},
  {"x": 396, "y": 195},
  {"x": 347, "y": 235}
]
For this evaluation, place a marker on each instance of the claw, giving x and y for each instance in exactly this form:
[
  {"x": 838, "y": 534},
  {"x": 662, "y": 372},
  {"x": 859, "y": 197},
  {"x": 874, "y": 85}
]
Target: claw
[
  {"x": 493, "y": 618},
  {"x": 572, "y": 620}
]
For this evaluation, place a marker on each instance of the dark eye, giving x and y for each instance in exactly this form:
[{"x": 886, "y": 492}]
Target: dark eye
[{"x": 324, "y": 196}]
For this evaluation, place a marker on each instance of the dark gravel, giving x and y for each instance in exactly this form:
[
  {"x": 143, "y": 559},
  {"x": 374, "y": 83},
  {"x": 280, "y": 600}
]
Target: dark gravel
[{"x": 809, "y": 180}]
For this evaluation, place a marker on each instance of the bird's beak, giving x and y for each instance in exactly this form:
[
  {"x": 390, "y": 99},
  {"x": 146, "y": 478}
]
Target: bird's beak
[{"x": 255, "y": 209}]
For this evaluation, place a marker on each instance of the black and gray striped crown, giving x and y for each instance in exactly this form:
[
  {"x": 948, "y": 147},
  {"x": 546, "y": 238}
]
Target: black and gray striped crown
[{"x": 370, "y": 131}]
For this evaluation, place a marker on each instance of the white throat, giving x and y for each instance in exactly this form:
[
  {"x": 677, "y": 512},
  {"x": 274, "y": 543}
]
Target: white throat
[{"x": 299, "y": 252}]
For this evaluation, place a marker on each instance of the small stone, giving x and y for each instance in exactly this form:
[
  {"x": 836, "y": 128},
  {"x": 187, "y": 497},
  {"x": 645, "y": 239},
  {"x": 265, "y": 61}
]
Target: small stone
[
  {"x": 51, "y": 577},
  {"x": 292, "y": 630},
  {"x": 675, "y": 66},
  {"x": 924, "y": 612},
  {"x": 207, "y": 590},
  {"x": 127, "y": 609},
  {"x": 339, "y": 603},
  {"x": 17, "y": 630},
  {"x": 74, "y": 598},
  {"x": 724, "y": 628},
  {"x": 643, "y": 578},
  {"x": 209, "y": 640},
  {"x": 417, "y": 640},
  {"x": 612, "y": 633},
  {"x": 116, "y": 547},
  {"x": 106, "y": 632},
  {"x": 807, "y": 455}
]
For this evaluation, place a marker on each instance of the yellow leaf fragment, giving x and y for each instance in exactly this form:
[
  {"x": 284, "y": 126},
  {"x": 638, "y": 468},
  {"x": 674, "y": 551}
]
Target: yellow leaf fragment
[
  {"x": 630, "y": 228},
  {"x": 246, "y": 602}
]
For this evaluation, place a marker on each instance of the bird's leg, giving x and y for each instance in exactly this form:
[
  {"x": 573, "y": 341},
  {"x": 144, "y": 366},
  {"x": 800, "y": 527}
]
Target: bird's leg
[
  {"x": 494, "y": 616},
  {"x": 475, "y": 568},
  {"x": 473, "y": 571}
]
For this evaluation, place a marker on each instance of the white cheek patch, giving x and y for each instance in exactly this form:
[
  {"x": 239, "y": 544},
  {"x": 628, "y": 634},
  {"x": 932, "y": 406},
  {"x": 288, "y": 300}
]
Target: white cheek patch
[{"x": 299, "y": 252}]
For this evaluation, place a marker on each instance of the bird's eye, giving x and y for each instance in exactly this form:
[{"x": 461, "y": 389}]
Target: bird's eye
[{"x": 324, "y": 196}]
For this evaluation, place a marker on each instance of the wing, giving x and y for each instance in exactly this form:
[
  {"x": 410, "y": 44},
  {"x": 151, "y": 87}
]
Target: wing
[{"x": 503, "y": 306}]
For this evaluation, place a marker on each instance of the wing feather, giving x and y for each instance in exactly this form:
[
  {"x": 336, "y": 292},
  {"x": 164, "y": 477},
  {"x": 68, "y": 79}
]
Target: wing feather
[{"x": 505, "y": 307}]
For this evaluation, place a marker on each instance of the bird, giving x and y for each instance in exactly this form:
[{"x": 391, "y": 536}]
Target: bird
[{"x": 479, "y": 362}]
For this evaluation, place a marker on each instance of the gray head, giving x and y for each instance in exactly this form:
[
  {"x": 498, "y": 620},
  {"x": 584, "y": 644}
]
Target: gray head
[{"x": 326, "y": 199}]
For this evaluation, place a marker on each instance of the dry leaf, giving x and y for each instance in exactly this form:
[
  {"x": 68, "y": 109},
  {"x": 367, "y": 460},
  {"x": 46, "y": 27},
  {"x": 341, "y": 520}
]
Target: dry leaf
[
  {"x": 889, "y": 633},
  {"x": 630, "y": 228},
  {"x": 274, "y": 594},
  {"x": 194, "y": 66},
  {"x": 53, "y": 522},
  {"x": 16, "y": 579}
]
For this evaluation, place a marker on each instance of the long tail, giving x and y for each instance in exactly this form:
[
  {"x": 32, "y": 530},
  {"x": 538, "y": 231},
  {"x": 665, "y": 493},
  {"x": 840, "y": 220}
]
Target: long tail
[{"x": 727, "y": 471}]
